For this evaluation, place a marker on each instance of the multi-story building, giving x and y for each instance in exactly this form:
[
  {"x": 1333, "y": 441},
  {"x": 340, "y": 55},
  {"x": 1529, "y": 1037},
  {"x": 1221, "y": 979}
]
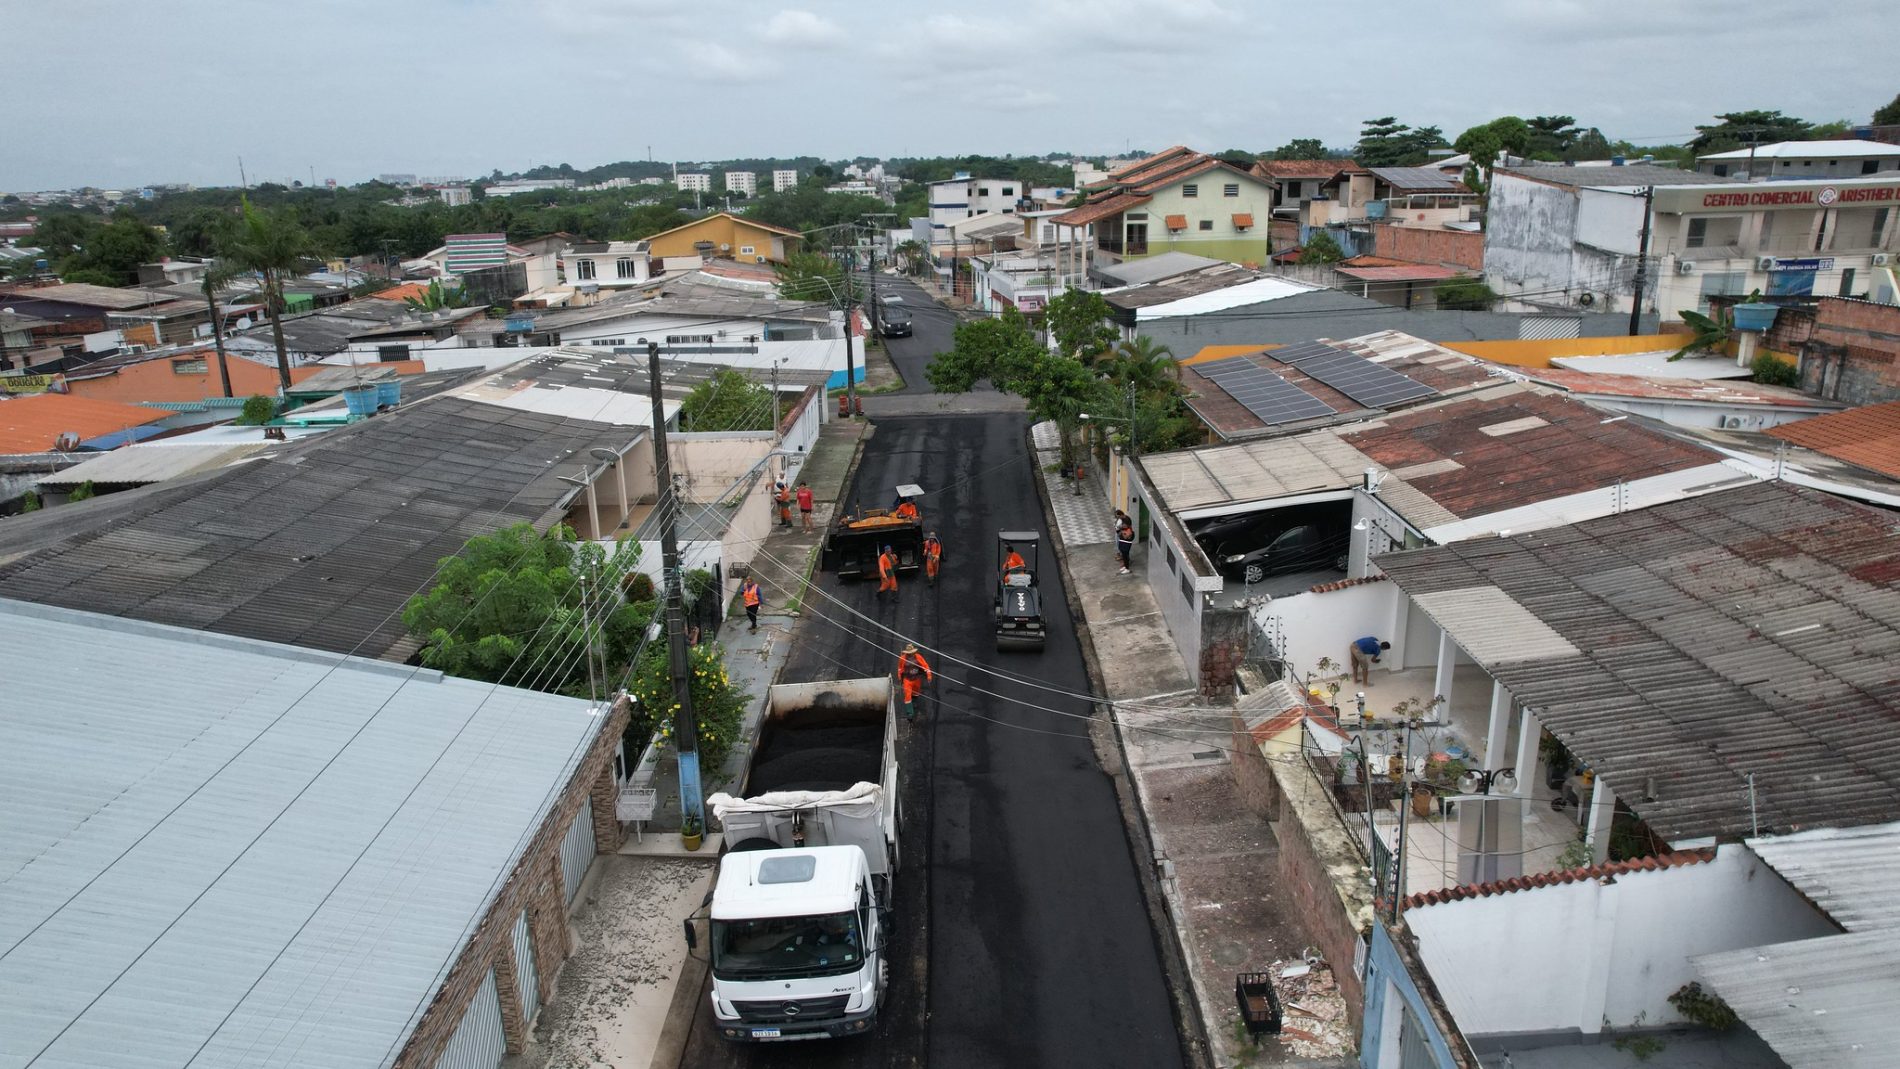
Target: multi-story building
[
  {"x": 607, "y": 264},
  {"x": 454, "y": 196},
  {"x": 783, "y": 180},
  {"x": 528, "y": 185},
  {"x": 962, "y": 197},
  {"x": 1795, "y": 160},
  {"x": 694, "y": 182},
  {"x": 1177, "y": 200},
  {"x": 742, "y": 182},
  {"x": 1574, "y": 235}
]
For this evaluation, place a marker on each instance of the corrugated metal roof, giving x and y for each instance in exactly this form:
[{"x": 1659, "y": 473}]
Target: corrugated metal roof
[
  {"x": 1420, "y": 179},
  {"x": 1492, "y": 627},
  {"x": 1851, "y": 873},
  {"x": 152, "y": 463},
  {"x": 1254, "y": 471},
  {"x": 228, "y": 853},
  {"x": 1739, "y": 653},
  {"x": 1820, "y": 1003}
]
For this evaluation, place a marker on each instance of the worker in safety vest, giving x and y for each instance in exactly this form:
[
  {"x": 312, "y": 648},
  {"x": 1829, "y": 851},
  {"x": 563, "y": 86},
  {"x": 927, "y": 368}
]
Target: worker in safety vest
[
  {"x": 905, "y": 510},
  {"x": 1014, "y": 562},
  {"x": 753, "y": 599},
  {"x": 784, "y": 499},
  {"x": 913, "y": 672},
  {"x": 887, "y": 572},
  {"x": 933, "y": 556}
]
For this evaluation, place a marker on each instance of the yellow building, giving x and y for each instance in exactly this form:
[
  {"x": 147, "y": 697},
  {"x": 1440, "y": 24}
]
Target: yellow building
[{"x": 727, "y": 236}]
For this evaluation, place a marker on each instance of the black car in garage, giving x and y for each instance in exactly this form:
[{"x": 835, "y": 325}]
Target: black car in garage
[{"x": 1252, "y": 546}]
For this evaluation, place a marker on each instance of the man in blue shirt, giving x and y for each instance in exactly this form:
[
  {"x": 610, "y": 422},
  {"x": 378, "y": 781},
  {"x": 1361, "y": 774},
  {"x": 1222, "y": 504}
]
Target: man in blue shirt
[{"x": 1365, "y": 652}]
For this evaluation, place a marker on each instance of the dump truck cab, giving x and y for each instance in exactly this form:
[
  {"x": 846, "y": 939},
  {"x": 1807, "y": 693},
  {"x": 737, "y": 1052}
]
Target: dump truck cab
[
  {"x": 1018, "y": 606},
  {"x": 857, "y": 536}
]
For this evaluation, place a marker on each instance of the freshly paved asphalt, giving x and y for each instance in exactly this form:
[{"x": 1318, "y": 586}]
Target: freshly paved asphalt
[{"x": 1023, "y": 939}]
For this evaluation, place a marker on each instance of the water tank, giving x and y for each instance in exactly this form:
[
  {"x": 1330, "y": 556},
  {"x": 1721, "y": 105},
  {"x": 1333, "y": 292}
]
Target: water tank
[
  {"x": 389, "y": 393},
  {"x": 360, "y": 400},
  {"x": 1375, "y": 209}
]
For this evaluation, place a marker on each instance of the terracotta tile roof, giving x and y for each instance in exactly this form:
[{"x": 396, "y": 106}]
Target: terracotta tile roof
[
  {"x": 33, "y": 423},
  {"x": 1243, "y": 219},
  {"x": 1303, "y": 168},
  {"x": 417, "y": 290},
  {"x": 1375, "y": 261},
  {"x": 1410, "y": 273},
  {"x": 1718, "y": 391},
  {"x": 1097, "y": 210},
  {"x": 1177, "y": 222},
  {"x": 1609, "y": 870},
  {"x": 1864, "y": 437},
  {"x": 1142, "y": 168},
  {"x": 1327, "y": 588}
]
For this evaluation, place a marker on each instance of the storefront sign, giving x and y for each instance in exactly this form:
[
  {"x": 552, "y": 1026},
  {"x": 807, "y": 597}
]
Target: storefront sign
[
  {"x": 1825, "y": 263},
  {"x": 1824, "y": 197},
  {"x": 32, "y": 384}
]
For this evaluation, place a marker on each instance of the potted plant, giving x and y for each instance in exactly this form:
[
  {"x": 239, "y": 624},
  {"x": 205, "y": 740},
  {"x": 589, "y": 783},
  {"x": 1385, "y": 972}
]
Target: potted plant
[{"x": 692, "y": 832}]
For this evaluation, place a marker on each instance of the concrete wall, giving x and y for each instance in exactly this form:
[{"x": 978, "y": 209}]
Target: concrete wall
[
  {"x": 1530, "y": 230},
  {"x": 1852, "y": 351},
  {"x": 1315, "y": 625},
  {"x": 1568, "y": 957},
  {"x": 1393, "y": 995},
  {"x": 1171, "y": 575},
  {"x": 1322, "y": 877},
  {"x": 639, "y": 329},
  {"x": 706, "y": 465}
]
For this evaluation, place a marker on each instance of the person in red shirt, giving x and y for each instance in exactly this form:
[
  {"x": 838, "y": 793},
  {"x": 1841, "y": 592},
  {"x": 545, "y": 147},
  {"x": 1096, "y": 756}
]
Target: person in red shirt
[{"x": 804, "y": 504}]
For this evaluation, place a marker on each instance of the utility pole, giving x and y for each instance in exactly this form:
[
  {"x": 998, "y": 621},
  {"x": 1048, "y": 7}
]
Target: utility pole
[
  {"x": 870, "y": 284},
  {"x": 685, "y": 735},
  {"x": 1642, "y": 264},
  {"x": 775, "y": 416}
]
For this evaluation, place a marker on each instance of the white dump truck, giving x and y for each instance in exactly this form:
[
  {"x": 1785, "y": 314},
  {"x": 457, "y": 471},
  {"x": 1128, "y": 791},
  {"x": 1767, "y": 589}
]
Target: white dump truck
[{"x": 800, "y": 918}]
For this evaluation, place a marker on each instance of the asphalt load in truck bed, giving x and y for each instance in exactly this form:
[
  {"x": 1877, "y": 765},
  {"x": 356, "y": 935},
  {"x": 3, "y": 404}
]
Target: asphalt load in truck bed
[{"x": 817, "y": 758}]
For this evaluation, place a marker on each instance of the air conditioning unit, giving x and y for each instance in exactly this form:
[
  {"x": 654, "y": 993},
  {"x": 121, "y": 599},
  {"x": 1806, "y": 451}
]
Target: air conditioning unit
[
  {"x": 1731, "y": 423},
  {"x": 725, "y": 248},
  {"x": 1764, "y": 263},
  {"x": 1685, "y": 267},
  {"x": 1882, "y": 259},
  {"x": 758, "y": 259}
]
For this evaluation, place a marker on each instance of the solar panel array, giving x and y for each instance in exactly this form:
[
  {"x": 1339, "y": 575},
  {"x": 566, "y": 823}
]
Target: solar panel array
[
  {"x": 1362, "y": 380},
  {"x": 1263, "y": 393}
]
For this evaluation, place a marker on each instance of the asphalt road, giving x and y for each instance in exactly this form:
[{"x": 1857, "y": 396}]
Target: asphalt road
[
  {"x": 1023, "y": 938},
  {"x": 932, "y": 326}
]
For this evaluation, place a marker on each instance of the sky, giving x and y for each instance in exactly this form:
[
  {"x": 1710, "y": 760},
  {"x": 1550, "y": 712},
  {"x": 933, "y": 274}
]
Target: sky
[{"x": 119, "y": 93}]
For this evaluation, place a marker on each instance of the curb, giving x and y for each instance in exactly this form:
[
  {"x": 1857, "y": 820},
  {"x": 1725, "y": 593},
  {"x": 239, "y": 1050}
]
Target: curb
[{"x": 1196, "y": 1050}]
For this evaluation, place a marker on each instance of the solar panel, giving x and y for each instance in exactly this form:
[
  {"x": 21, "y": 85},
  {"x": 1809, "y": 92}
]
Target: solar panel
[
  {"x": 1353, "y": 375},
  {"x": 1263, "y": 393}
]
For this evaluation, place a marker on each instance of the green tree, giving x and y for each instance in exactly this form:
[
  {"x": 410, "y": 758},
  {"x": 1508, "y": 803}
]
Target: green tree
[
  {"x": 1302, "y": 148},
  {"x": 1464, "y": 294},
  {"x": 258, "y": 410},
  {"x": 1007, "y": 353},
  {"x": 1078, "y": 324},
  {"x": 914, "y": 255},
  {"x": 727, "y": 402},
  {"x": 117, "y": 249},
  {"x": 811, "y": 276},
  {"x": 1551, "y": 137},
  {"x": 1508, "y": 134},
  {"x": 1706, "y": 334},
  {"x": 1321, "y": 248},
  {"x": 1888, "y": 114},
  {"x": 438, "y": 297},
  {"x": 718, "y": 705},
  {"x": 1386, "y": 142},
  {"x": 515, "y": 607},
  {"x": 90, "y": 276},
  {"x": 272, "y": 245},
  {"x": 1737, "y": 129},
  {"x": 64, "y": 234},
  {"x": 650, "y": 219}
]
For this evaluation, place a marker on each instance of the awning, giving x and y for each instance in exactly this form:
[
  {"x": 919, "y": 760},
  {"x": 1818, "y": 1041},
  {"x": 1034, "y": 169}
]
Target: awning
[
  {"x": 1243, "y": 220},
  {"x": 1177, "y": 222}
]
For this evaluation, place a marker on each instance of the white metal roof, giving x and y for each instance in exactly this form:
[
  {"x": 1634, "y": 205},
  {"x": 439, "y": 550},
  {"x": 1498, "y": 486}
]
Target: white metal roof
[
  {"x": 222, "y": 852},
  {"x": 1807, "y": 150},
  {"x": 1851, "y": 873},
  {"x": 1820, "y": 1003},
  {"x": 1255, "y": 292},
  {"x": 1187, "y": 479},
  {"x": 155, "y": 462},
  {"x": 1656, "y": 365}
]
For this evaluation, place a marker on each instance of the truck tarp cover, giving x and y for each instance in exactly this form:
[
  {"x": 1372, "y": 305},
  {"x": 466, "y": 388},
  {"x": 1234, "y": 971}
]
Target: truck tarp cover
[{"x": 861, "y": 801}]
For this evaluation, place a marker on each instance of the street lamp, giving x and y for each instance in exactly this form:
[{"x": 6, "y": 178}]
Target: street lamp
[{"x": 1480, "y": 781}]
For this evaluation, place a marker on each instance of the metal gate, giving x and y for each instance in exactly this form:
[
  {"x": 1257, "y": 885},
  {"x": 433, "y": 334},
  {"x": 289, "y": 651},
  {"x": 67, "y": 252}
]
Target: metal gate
[
  {"x": 1415, "y": 1049},
  {"x": 477, "y": 1042},
  {"x": 524, "y": 969},
  {"x": 577, "y": 848}
]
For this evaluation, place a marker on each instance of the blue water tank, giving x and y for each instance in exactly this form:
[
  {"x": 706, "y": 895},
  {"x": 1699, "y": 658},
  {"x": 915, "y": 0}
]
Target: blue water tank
[
  {"x": 389, "y": 393},
  {"x": 1375, "y": 209},
  {"x": 360, "y": 400}
]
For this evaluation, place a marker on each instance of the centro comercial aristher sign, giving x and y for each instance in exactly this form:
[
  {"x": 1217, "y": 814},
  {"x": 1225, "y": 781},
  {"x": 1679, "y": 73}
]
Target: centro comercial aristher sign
[{"x": 1771, "y": 196}]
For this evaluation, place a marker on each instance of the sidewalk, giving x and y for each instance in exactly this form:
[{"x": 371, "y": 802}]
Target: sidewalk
[
  {"x": 628, "y": 996},
  {"x": 1214, "y": 858}
]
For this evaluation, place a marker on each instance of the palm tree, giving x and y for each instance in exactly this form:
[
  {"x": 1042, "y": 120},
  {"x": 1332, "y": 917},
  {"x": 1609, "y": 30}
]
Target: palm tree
[
  {"x": 218, "y": 274},
  {"x": 1144, "y": 365},
  {"x": 438, "y": 297},
  {"x": 274, "y": 246}
]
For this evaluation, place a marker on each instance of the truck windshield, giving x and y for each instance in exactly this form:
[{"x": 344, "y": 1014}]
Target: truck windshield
[{"x": 773, "y": 947}]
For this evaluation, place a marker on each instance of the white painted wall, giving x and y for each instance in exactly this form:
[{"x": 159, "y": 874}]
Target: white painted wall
[
  {"x": 1530, "y": 230},
  {"x": 1566, "y": 957},
  {"x": 638, "y": 328},
  {"x": 1316, "y": 625}
]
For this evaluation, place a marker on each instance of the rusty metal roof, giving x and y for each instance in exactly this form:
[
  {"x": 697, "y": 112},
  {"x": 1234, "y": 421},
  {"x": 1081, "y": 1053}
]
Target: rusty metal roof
[{"x": 1739, "y": 653}]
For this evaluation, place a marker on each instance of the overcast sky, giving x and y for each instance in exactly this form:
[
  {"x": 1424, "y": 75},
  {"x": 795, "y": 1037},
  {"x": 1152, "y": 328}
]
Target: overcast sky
[{"x": 126, "y": 92}]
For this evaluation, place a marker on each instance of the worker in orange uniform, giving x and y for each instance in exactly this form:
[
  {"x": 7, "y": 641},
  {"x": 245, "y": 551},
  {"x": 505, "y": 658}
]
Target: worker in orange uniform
[
  {"x": 913, "y": 672},
  {"x": 1014, "y": 562},
  {"x": 887, "y": 573},
  {"x": 933, "y": 556},
  {"x": 784, "y": 499},
  {"x": 905, "y": 510},
  {"x": 753, "y": 599}
]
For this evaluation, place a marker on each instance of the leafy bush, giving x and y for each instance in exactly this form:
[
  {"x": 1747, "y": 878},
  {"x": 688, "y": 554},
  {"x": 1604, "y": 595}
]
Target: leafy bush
[
  {"x": 1465, "y": 294},
  {"x": 1771, "y": 370},
  {"x": 639, "y": 587},
  {"x": 727, "y": 402},
  {"x": 718, "y": 706},
  {"x": 1321, "y": 249},
  {"x": 82, "y": 492},
  {"x": 258, "y": 410},
  {"x": 30, "y": 501},
  {"x": 1703, "y": 1007}
]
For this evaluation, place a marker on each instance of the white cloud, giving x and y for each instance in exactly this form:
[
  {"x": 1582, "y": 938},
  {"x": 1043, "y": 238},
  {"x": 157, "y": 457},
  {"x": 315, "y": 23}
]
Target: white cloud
[{"x": 802, "y": 29}]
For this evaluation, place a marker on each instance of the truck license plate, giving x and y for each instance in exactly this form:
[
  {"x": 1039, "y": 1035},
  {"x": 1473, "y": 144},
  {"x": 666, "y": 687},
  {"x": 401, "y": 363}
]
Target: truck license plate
[{"x": 765, "y": 1033}]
